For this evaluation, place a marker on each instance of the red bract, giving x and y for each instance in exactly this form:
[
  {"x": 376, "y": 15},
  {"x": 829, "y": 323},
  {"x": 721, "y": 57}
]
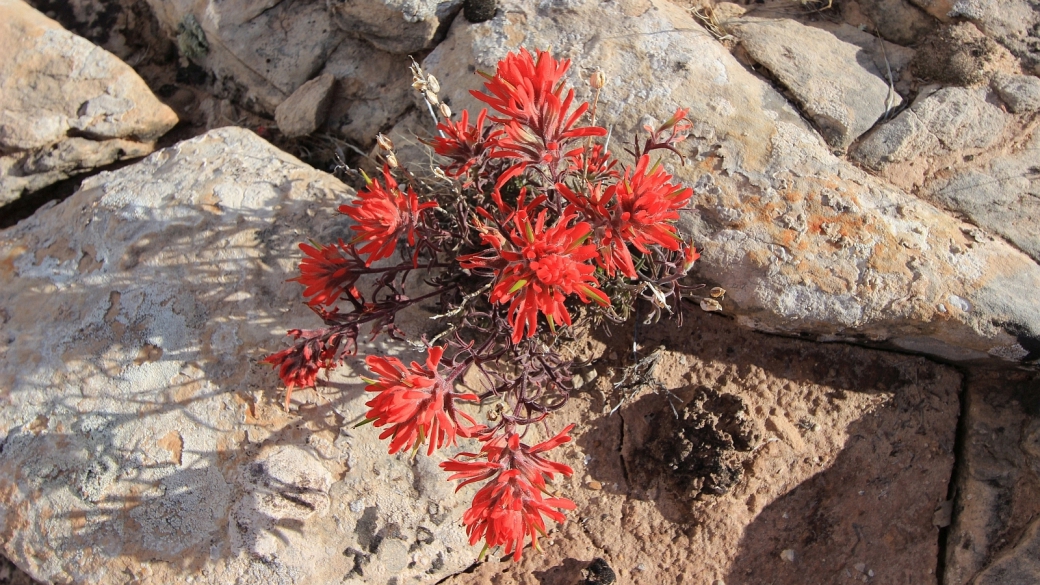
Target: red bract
[
  {"x": 382, "y": 214},
  {"x": 416, "y": 402},
  {"x": 509, "y": 510},
  {"x": 538, "y": 125},
  {"x": 461, "y": 143},
  {"x": 640, "y": 209},
  {"x": 328, "y": 272},
  {"x": 313, "y": 351},
  {"x": 537, "y": 268}
]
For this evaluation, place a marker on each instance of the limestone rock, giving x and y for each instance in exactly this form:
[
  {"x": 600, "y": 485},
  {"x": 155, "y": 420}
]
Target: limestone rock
[
  {"x": 940, "y": 121},
  {"x": 993, "y": 537},
  {"x": 999, "y": 195},
  {"x": 306, "y": 108},
  {"x": 804, "y": 242},
  {"x": 66, "y": 106},
  {"x": 1021, "y": 93},
  {"x": 140, "y": 435},
  {"x": 396, "y": 26},
  {"x": 841, "y": 95}
]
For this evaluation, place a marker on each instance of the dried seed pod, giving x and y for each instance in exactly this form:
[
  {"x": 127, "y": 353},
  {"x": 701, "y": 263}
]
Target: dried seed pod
[
  {"x": 432, "y": 98},
  {"x": 598, "y": 79},
  {"x": 384, "y": 142},
  {"x": 391, "y": 160},
  {"x": 710, "y": 305},
  {"x": 718, "y": 292},
  {"x": 445, "y": 110},
  {"x": 432, "y": 84}
]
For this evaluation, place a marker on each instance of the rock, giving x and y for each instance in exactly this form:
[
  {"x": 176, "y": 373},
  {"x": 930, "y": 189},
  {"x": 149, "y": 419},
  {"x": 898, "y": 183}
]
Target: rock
[
  {"x": 960, "y": 54},
  {"x": 998, "y": 195},
  {"x": 140, "y": 435},
  {"x": 993, "y": 537},
  {"x": 306, "y": 108},
  {"x": 261, "y": 52},
  {"x": 843, "y": 97},
  {"x": 1013, "y": 23},
  {"x": 1020, "y": 566},
  {"x": 939, "y": 9},
  {"x": 898, "y": 21},
  {"x": 804, "y": 243},
  {"x": 869, "y": 474},
  {"x": 884, "y": 56},
  {"x": 395, "y": 26},
  {"x": 1021, "y": 93},
  {"x": 940, "y": 121},
  {"x": 374, "y": 89},
  {"x": 66, "y": 106}
]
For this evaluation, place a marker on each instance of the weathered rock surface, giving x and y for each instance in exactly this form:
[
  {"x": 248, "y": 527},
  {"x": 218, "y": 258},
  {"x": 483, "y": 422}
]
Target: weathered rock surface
[
  {"x": 993, "y": 538},
  {"x": 1021, "y": 93},
  {"x": 66, "y": 106},
  {"x": 261, "y": 52},
  {"x": 804, "y": 242},
  {"x": 835, "y": 84},
  {"x": 140, "y": 437},
  {"x": 1011, "y": 22},
  {"x": 1001, "y": 195},
  {"x": 395, "y": 26},
  {"x": 940, "y": 121},
  {"x": 848, "y": 452},
  {"x": 306, "y": 108}
]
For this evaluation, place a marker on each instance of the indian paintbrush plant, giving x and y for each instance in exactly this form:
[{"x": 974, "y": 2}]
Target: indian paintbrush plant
[{"x": 539, "y": 228}]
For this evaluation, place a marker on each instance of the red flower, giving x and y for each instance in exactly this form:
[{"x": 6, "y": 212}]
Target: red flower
[
  {"x": 382, "y": 214},
  {"x": 640, "y": 209},
  {"x": 505, "y": 451},
  {"x": 416, "y": 402},
  {"x": 537, "y": 268},
  {"x": 314, "y": 350},
  {"x": 510, "y": 507},
  {"x": 690, "y": 255},
  {"x": 508, "y": 510},
  {"x": 328, "y": 272},
  {"x": 462, "y": 143},
  {"x": 538, "y": 127}
]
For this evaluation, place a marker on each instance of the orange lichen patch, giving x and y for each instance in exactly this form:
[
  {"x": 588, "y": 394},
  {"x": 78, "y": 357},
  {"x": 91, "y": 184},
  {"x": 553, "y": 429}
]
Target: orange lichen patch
[
  {"x": 761, "y": 257},
  {"x": 7, "y": 258},
  {"x": 174, "y": 443}
]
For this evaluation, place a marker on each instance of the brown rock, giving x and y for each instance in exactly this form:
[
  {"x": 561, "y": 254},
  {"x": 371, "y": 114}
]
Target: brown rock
[
  {"x": 960, "y": 54},
  {"x": 992, "y": 539},
  {"x": 66, "y": 106},
  {"x": 305, "y": 110}
]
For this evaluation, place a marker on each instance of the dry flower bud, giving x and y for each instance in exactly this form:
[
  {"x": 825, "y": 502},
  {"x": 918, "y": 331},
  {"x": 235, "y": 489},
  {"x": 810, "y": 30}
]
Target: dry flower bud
[
  {"x": 419, "y": 85},
  {"x": 391, "y": 160},
  {"x": 718, "y": 292},
  {"x": 445, "y": 110},
  {"x": 433, "y": 84},
  {"x": 597, "y": 80},
  {"x": 710, "y": 305},
  {"x": 432, "y": 98},
  {"x": 384, "y": 142}
]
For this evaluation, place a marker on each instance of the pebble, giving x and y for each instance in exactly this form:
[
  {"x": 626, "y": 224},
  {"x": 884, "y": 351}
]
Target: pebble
[
  {"x": 595, "y": 485},
  {"x": 788, "y": 555}
]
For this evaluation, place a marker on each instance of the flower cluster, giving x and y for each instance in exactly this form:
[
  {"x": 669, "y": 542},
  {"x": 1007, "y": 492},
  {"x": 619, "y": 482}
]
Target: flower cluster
[{"x": 541, "y": 224}]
